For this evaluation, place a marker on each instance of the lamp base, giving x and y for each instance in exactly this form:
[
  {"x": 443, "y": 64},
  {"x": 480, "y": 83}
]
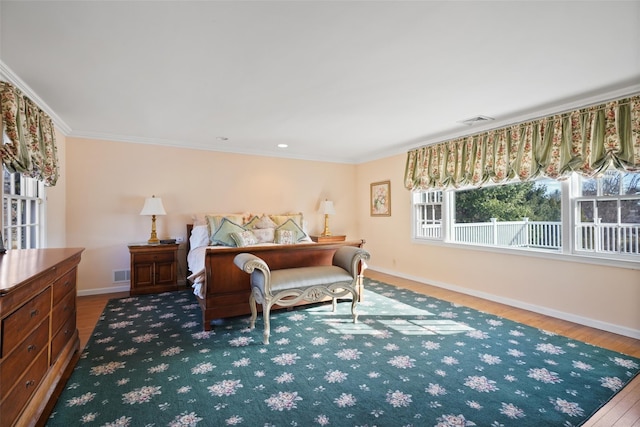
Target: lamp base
[
  {"x": 153, "y": 240},
  {"x": 326, "y": 232}
]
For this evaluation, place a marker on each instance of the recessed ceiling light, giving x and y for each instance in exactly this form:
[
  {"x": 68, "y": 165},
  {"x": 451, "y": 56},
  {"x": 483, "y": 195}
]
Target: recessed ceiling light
[
  {"x": 475, "y": 120},
  {"x": 283, "y": 145}
]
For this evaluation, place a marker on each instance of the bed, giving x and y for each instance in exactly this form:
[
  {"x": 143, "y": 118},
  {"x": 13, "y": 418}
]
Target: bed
[{"x": 223, "y": 290}]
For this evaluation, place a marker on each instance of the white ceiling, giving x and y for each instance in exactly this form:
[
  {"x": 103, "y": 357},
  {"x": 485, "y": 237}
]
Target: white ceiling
[{"x": 335, "y": 80}]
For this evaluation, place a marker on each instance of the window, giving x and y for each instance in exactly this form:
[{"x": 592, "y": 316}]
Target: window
[
  {"x": 428, "y": 212},
  {"x": 608, "y": 214},
  {"x": 579, "y": 216},
  {"x": 22, "y": 211}
]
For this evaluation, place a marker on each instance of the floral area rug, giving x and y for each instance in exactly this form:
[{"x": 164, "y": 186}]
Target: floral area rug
[{"x": 411, "y": 360}]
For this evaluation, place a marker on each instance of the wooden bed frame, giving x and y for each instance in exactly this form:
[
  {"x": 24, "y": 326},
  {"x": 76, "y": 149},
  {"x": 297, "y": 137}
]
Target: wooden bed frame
[{"x": 227, "y": 288}]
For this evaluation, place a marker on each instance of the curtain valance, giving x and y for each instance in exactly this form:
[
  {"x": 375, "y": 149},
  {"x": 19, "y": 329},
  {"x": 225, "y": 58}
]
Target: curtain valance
[
  {"x": 31, "y": 145},
  {"x": 587, "y": 141}
]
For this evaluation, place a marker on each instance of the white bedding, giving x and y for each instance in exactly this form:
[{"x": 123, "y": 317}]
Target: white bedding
[{"x": 195, "y": 263}]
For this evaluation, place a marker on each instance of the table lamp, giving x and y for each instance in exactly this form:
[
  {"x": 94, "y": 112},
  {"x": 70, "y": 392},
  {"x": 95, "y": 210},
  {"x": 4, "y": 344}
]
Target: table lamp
[{"x": 153, "y": 206}]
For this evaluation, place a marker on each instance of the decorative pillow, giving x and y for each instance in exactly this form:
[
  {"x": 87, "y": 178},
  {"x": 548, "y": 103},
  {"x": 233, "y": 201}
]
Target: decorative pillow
[
  {"x": 285, "y": 237},
  {"x": 264, "y": 235},
  {"x": 281, "y": 219},
  {"x": 252, "y": 222},
  {"x": 298, "y": 233},
  {"x": 215, "y": 221},
  {"x": 201, "y": 218},
  {"x": 265, "y": 222},
  {"x": 244, "y": 238},
  {"x": 223, "y": 235},
  {"x": 199, "y": 236}
]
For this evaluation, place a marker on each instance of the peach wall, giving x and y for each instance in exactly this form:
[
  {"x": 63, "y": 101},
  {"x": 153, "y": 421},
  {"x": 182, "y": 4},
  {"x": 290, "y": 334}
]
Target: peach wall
[
  {"x": 107, "y": 183},
  {"x": 601, "y": 296}
]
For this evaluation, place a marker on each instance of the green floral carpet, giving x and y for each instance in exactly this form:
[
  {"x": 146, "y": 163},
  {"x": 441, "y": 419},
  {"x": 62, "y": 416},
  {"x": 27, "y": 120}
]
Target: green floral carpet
[{"x": 411, "y": 360}]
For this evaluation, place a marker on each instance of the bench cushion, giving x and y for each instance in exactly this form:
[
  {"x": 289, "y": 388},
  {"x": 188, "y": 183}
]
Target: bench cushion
[{"x": 303, "y": 277}]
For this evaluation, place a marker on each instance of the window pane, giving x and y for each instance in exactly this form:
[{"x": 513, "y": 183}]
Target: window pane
[
  {"x": 586, "y": 211},
  {"x": 611, "y": 183},
  {"x": 631, "y": 183},
  {"x": 438, "y": 212},
  {"x": 630, "y": 211},
  {"x": 538, "y": 201},
  {"x": 33, "y": 211},
  {"x": 608, "y": 211},
  {"x": 589, "y": 187}
]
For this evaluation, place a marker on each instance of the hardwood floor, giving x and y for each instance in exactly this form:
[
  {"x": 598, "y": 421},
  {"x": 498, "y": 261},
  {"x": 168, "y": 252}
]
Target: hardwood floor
[
  {"x": 621, "y": 411},
  {"x": 89, "y": 308}
]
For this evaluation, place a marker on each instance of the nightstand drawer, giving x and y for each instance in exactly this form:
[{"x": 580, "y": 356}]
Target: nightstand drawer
[{"x": 155, "y": 257}]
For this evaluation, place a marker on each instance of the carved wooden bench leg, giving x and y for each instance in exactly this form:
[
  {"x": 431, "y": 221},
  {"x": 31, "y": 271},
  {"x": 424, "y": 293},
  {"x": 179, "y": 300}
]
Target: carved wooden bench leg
[
  {"x": 266, "y": 311},
  {"x": 254, "y": 310}
]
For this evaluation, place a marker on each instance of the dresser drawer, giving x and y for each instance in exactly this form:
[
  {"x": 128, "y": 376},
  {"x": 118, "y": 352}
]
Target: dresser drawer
[
  {"x": 64, "y": 285},
  {"x": 62, "y": 311},
  {"x": 14, "y": 365},
  {"x": 20, "y": 323},
  {"x": 18, "y": 396},
  {"x": 62, "y": 337}
]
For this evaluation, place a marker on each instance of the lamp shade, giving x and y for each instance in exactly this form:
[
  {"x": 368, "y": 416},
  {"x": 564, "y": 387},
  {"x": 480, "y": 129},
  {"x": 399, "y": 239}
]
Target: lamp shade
[
  {"x": 153, "y": 206},
  {"x": 326, "y": 208}
]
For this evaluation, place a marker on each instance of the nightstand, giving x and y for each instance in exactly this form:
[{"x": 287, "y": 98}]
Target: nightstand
[
  {"x": 328, "y": 239},
  {"x": 154, "y": 268}
]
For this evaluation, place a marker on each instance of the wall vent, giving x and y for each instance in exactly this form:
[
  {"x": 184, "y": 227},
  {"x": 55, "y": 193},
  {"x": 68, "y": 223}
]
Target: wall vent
[
  {"x": 475, "y": 120},
  {"x": 121, "y": 276}
]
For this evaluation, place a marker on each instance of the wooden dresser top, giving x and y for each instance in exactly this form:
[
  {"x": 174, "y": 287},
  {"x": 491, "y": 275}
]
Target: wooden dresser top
[{"x": 20, "y": 265}]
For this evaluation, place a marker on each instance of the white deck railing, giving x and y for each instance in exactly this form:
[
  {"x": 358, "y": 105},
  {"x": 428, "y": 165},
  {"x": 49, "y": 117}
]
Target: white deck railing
[
  {"x": 522, "y": 234},
  {"x": 599, "y": 238},
  {"x": 608, "y": 238}
]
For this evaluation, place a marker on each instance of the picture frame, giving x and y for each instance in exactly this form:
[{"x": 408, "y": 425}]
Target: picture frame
[
  {"x": 2, "y": 248},
  {"x": 381, "y": 198}
]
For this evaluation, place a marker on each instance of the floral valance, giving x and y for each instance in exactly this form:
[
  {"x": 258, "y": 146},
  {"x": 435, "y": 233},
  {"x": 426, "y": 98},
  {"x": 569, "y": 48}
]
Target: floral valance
[
  {"x": 587, "y": 141},
  {"x": 28, "y": 137}
]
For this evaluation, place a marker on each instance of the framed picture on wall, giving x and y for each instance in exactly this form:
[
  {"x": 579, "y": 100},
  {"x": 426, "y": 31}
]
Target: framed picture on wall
[{"x": 381, "y": 198}]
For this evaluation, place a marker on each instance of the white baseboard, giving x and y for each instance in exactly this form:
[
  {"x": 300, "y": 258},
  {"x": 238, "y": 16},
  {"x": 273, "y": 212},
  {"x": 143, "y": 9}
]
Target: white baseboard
[
  {"x": 586, "y": 321},
  {"x": 125, "y": 287},
  {"x": 99, "y": 291}
]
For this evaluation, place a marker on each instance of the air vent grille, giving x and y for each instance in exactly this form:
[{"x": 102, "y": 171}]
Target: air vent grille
[
  {"x": 475, "y": 120},
  {"x": 121, "y": 276}
]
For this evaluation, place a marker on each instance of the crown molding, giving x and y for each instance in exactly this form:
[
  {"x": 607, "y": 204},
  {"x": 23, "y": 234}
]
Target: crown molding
[{"x": 8, "y": 75}]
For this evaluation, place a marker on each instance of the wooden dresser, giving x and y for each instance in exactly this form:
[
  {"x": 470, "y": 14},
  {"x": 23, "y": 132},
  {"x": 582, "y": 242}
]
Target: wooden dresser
[{"x": 38, "y": 336}]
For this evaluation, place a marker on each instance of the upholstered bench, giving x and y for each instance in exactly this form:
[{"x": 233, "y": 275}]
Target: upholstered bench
[{"x": 287, "y": 287}]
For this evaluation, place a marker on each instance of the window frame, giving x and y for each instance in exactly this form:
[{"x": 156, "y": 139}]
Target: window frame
[
  {"x": 29, "y": 222},
  {"x": 569, "y": 188}
]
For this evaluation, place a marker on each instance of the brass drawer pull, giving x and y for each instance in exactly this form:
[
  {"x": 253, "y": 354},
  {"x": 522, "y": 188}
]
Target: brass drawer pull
[
  {"x": 29, "y": 383},
  {"x": 30, "y": 348},
  {"x": 35, "y": 312}
]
